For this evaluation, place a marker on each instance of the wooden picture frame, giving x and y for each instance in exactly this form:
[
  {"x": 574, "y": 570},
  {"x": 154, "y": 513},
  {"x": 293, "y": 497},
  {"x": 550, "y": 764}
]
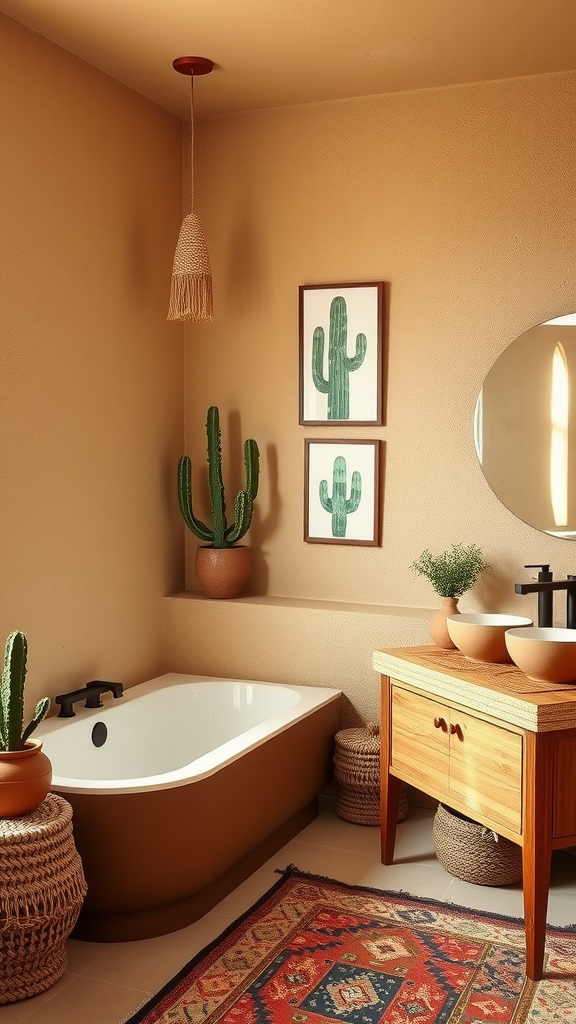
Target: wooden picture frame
[
  {"x": 340, "y": 329},
  {"x": 349, "y": 471}
]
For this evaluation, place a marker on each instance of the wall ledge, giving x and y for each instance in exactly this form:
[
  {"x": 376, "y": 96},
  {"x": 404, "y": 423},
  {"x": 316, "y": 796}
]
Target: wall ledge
[{"x": 303, "y": 603}]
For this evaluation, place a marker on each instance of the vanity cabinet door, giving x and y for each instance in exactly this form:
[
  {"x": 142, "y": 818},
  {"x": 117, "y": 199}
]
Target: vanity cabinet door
[
  {"x": 486, "y": 769},
  {"x": 420, "y": 741},
  {"x": 457, "y": 757}
]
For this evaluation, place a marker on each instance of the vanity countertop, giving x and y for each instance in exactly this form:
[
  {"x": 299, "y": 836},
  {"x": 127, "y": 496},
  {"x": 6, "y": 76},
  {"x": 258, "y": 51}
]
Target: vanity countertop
[{"x": 499, "y": 690}]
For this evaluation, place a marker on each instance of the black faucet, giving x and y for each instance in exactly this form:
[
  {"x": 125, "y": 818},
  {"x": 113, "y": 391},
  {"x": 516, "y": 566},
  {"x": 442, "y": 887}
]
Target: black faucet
[
  {"x": 89, "y": 693},
  {"x": 544, "y": 587}
]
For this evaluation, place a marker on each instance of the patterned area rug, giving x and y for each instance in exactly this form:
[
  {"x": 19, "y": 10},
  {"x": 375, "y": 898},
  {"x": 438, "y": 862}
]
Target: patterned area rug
[{"x": 316, "y": 951}]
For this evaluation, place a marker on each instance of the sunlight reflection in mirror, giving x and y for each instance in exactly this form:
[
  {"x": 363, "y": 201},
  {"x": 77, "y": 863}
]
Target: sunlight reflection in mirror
[{"x": 559, "y": 418}]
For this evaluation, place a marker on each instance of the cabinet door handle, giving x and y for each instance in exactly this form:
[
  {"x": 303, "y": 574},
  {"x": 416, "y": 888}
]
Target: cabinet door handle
[
  {"x": 440, "y": 723},
  {"x": 456, "y": 730}
]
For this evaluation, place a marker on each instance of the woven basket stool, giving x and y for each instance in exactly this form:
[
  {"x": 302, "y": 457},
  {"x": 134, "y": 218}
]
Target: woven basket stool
[
  {"x": 357, "y": 774},
  {"x": 473, "y": 852},
  {"x": 42, "y": 888}
]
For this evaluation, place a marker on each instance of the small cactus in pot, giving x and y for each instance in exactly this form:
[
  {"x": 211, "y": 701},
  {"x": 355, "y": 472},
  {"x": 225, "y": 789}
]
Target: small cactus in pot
[
  {"x": 13, "y": 735},
  {"x": 221, "y": 536},
  {"x": 25, "y": 771}
]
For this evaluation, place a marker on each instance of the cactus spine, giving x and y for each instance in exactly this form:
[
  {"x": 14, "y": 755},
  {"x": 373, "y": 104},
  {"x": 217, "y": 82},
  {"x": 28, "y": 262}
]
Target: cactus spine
[
  {"x": 12, "y": 696},
  {"x": 338, "y": 505},
  {"x": 340, "y": 365},
  {"x": 220, "y": 535}
]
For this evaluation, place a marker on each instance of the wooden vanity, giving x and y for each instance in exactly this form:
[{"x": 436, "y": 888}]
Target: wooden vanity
[{"x": 490, "y": 743}]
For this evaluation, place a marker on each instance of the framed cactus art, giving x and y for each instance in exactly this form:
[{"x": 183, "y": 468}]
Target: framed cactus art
[
  {"x": 341, "y": 491},
  {"x": 340, "y": 348}
]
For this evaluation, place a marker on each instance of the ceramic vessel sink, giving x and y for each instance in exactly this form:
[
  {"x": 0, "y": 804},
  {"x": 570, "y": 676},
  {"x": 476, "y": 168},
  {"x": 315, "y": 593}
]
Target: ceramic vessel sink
[
  {"x": 480, "y": 636},
  {"x": 547, "y": 655}
]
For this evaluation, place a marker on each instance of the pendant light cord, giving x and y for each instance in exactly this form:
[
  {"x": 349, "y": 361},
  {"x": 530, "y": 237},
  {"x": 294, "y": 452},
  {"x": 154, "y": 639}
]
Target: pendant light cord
[{"x": 191, "y": 143}]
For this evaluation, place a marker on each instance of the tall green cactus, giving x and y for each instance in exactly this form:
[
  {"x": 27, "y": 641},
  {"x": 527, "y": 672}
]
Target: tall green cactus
[
  {"x": 338, "y": 504},
  {"x": 340, "y": 365},
  {"x": 12, "y": 696},
  {"x": 220, "y": 535}
]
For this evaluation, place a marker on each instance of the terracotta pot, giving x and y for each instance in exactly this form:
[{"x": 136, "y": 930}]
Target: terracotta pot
[
  {"x": 25, "y": 777},
  {"x": 223, "y": 572},
  {"x": 438, "y": 628}
]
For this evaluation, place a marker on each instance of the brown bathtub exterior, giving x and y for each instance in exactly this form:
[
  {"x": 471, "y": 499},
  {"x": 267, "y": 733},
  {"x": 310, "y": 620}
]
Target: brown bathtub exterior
[{"x": 157, "y": 861}]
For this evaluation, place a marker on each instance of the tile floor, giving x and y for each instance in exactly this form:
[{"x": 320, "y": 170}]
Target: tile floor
[{"x": 105, "y": 982}]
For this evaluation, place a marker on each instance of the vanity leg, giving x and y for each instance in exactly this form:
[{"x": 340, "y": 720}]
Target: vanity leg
[
  {"x": 389, "y": 797},
  {"x": 389, "y": 784},
  {"x": 537, "y": 848}
]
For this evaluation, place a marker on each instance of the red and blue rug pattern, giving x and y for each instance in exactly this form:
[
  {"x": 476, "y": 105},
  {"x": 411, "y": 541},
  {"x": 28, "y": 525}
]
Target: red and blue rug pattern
[{"x": 316, "y": 951}]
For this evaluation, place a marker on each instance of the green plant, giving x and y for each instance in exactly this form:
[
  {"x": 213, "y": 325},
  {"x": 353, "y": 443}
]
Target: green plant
[
  {"x": 221, "y": 535},
  {"x": 12, "y": 735},
  {"x": 454, "y": 571},
  {"x": 340, "y": 365},
  {"x": 339, "y": 505}
]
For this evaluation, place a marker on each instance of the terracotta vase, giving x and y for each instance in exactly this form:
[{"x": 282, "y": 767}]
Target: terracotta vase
[
  {"x": 25, "y": 777},
  {"x": 438, "y": 629},
  {"x": 223, "y": 572}
]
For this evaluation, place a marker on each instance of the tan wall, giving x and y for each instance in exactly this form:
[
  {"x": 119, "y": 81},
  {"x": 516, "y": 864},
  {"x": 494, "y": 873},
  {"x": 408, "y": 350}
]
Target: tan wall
[
  {"x": 462, "y": 200},
  {"x": 90, "y": 373}
]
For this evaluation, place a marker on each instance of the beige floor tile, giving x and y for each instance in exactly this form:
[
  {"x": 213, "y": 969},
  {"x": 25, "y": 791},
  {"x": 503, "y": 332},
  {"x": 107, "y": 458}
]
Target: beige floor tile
[
  {"x": 326, "y": 830},
  {"x": 215, "y": 923},
  {"x": 507, "y": 900},
  {"x": 359, "y": 869},
  {"x": 150, "y": 963},
  {"x": 82, "y": 955},
  {"x": 413, "y": 838},
  {"x": 561, "y": 909},
  {"x": 85, "y": 1002},
  {"x": 361, "y": 839},
  {"x": 304, "y": 856}
]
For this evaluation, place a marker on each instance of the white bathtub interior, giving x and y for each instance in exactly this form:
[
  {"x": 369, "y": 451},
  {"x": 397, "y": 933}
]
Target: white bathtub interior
[{"x": 170, "y": 729}]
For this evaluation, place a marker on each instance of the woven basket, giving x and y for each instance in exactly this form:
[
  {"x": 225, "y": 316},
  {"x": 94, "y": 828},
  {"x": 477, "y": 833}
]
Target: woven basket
[
  {"x": 357, "y": 774},
  {"x": 42, "y": 888},
  {"x": 473, "y": 852}
]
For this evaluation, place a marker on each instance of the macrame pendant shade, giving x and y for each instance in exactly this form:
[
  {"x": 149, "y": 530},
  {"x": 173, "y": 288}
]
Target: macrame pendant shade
[{"x": 191, "y": 286}]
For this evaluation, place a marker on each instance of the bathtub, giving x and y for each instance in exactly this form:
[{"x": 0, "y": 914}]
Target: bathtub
[{"x": 184, "y": 786}]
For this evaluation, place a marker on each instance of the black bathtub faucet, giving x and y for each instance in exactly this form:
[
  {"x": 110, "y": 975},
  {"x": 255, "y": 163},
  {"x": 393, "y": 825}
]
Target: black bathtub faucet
[
  {"x": 545, "y": 586},
  {"x": 90, "y": 694}
]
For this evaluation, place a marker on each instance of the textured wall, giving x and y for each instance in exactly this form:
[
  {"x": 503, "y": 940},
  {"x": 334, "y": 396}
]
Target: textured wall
[
  {"x": 281, "y": 641},
  {"x": 463, "y": 201},
  {"x": 90, "y": 373}
]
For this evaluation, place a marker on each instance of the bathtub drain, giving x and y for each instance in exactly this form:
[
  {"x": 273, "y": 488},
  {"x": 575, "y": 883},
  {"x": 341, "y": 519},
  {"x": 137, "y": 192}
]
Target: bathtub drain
[{"x": 99, "y": 734}]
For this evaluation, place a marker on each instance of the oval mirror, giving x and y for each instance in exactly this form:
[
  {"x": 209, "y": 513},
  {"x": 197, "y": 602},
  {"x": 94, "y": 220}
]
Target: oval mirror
[{"x": 525, "y": 430}]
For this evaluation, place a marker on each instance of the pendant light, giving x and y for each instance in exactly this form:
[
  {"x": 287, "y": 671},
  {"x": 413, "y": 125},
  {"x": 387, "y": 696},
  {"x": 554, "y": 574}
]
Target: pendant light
[{"x": 191, "y": 287}]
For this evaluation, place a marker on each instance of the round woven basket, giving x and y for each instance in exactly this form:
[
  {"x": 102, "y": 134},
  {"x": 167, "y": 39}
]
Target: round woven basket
[
  {"x": 473, "y": 852},
  {"x": 357, "y": 774},
  {"x": 42, "y": 888}
]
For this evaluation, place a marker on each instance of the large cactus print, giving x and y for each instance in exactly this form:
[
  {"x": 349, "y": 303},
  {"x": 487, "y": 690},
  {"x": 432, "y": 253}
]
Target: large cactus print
[
  {"x": 338, "y": 505},
  {"x": 340, "y": 365}
]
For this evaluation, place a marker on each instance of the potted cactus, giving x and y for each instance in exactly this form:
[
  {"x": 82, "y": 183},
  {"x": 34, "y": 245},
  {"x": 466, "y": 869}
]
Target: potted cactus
[
  {"x": 25, "y": 771},
  {"x": 222, "y": 564}
]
